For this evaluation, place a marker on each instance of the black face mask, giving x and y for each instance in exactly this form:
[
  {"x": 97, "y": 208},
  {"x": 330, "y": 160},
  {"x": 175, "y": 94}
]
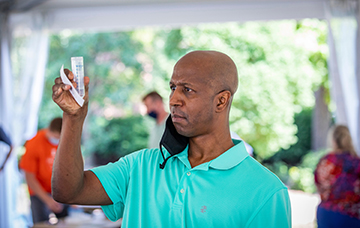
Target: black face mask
[
  {"x": 153, "y": 114},
  {"x": 172, "y": 141}
]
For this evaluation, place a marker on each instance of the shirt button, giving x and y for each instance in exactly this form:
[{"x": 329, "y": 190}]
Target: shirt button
[
  {"x": 188, "y": 173},
  {"x": 182, "y": 190}
]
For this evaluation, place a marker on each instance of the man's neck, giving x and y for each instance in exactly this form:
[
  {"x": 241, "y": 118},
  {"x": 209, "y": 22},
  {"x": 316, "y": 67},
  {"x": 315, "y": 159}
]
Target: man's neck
[{"x": 203, "y": 149}]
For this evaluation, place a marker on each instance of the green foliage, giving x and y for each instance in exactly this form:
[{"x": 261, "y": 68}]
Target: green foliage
[
  {"x": 301, "y": 177},
  {"x": 281, "y": 169},
  {"x": 117, "y": 137},
  {"x": 293, "y": 155},
  {"x": 279, "y": 65},
  {"x": 110, "y": 60},
  {"x": 295, "y": 166},
  {"x": 277, "y": 72},
  {"x": 111, "y": 63}
]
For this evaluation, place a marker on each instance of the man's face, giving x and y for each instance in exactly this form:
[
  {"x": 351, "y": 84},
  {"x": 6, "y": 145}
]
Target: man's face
[
  {"x": 191, "y": 100},
  {"x": 53, "y": 137},
  {"x": 53, "y": 134},
  {"x": 150, "y": 104}
]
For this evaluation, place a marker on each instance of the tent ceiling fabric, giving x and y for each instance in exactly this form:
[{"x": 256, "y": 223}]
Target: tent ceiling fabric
[
  {"x": 127, "y": 14},
  {"x": 18, "y": 5},
  {"x": 56, "y": 4},
  {"x": 24, "y": 5}
]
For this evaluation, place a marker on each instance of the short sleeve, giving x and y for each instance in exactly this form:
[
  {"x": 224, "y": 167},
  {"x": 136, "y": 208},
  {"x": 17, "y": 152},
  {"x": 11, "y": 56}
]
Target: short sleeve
[
  {"x": 114, "y": 178},
  {"x": 275, "y": 212}
]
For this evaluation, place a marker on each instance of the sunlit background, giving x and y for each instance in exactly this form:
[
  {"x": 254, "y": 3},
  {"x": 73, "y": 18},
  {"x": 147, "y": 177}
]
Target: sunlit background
[
  {"x": 297, "y": 78},
  {"x": 281, "y": 65}
]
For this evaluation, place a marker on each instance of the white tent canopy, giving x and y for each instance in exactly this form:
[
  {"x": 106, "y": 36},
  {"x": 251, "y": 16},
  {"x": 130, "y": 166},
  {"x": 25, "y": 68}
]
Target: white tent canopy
[
  {"x": 42, "y": 17},
  {"x": 20, "y": 98},
  {"x": 110, "y": 15}
]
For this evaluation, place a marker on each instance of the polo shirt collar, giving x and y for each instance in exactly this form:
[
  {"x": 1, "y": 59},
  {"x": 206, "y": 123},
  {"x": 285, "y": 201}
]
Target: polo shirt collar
[
  {"x": 227, "y": 160},
  {"x": 230, "y": 158},
  {"x": 184, "y": 157}
]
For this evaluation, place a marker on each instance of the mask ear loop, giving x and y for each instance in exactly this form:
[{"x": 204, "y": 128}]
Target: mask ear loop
[
  {"x": 162, "y": 165},
  {"x": 173, "y": 142}
]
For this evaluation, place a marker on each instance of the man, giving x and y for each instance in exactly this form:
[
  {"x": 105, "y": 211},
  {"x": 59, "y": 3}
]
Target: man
[
  {"x": 4, "y": 138},
  {"x": 209, "y": 179},
  {"x": 37, "y": 163},
  {"x": 155, "y": 109}
]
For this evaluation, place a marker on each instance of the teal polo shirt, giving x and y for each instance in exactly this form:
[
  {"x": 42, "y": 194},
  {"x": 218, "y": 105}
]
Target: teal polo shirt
[{"x": 233, "y": 190}]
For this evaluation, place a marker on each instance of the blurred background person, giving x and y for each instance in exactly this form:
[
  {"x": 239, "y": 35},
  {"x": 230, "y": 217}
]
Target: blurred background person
[
  {"x": 37, "y": 163},
  {"x": 155, "y": 109},
  {"x": 4, "y": 138},
  {"x": 337, "y": 178}
]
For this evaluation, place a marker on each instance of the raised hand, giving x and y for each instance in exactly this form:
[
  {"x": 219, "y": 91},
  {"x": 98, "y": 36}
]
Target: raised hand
[{"x": 63, "y": 98}]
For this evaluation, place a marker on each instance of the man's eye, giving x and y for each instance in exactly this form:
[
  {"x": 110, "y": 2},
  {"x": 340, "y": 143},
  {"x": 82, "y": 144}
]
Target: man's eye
[
  {"x": 188, "y": 89},
  {"x": 172, "y": 87}
]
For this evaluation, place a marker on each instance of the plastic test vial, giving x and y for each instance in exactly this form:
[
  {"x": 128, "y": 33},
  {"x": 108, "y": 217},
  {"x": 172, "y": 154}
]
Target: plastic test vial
[{"x": 77, "y": 67}]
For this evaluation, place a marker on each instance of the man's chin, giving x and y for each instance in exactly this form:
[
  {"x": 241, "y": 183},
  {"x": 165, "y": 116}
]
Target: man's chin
[{"x": 181, "y": 130}]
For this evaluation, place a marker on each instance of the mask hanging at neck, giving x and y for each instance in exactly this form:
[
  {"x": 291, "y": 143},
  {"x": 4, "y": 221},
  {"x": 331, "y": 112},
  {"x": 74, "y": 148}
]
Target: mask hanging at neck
[{"x": 173, "y": 142}]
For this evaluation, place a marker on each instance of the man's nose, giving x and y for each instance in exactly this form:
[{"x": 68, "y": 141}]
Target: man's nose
[{"x": 176, "y": 98}]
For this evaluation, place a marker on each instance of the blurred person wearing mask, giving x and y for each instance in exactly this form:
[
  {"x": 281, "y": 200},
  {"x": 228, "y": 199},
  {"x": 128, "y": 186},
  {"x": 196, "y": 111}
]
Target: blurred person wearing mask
[
  {"x": 155, "y": 109},
  {"x": 337, "y": 178},
  {"x": 37, "y": 162}
]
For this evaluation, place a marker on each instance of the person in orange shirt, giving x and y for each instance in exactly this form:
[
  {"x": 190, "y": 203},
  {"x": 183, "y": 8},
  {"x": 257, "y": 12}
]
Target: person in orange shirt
[{"x": 37, "y": 164}]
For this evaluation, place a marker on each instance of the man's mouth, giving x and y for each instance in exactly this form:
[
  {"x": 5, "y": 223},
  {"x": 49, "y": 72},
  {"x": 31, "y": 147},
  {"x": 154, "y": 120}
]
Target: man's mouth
[{"x": 177, "y": 118}]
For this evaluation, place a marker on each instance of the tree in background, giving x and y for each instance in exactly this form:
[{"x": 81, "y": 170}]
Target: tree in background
[{"x": 277, "y": 70}]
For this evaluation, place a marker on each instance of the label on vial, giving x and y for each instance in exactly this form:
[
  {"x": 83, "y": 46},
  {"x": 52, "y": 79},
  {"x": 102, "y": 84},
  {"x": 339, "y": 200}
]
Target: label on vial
[
  {"x": 72, "y": 90},
  {"x": 77, "y": 67}
]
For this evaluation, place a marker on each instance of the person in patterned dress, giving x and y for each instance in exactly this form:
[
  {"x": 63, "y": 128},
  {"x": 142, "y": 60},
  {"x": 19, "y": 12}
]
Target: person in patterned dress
[{"x": 337, "y": 178}]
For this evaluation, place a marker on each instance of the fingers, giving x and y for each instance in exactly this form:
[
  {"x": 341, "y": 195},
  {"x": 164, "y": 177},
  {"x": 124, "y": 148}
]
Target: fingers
[
  {"x": 58, "y": 80},
  {"x": 59, "y": 83},
  {"x": 86, "y": 80},
  {"x": 86, "y": 84},
  {"x": 69, "y": 74},
  {"x": 59, "y": 88}
]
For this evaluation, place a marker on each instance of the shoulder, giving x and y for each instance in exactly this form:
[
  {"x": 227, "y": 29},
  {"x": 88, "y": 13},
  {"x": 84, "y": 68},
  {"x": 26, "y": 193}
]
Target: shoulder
[
  {"x": 40, "y": 135},
  {"x": 36, "y": 143},
  {"x": 267, "y": 194},
  {"x": 144, "y": 154},
  {"x": 137, "y": 162},
  {"x": 263, "y": 175},
  {"x": 327, "y": 158},
  {"x": 140, "y": 158}
]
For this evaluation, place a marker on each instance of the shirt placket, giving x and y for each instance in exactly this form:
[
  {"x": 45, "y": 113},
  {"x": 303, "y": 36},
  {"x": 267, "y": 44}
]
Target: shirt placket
[{"x": 182, "y": 198}]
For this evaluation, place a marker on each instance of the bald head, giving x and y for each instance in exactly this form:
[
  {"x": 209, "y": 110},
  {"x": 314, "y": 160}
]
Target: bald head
[
  {"x": 219, "y": 69},
  {"x": 202, "y": 87}
]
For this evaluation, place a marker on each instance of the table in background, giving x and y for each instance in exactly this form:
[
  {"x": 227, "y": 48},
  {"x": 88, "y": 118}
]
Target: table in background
[{"x": 79, "y": 219}]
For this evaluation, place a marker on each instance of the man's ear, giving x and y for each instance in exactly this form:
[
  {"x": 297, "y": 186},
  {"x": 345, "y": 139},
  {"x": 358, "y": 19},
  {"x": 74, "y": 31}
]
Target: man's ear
[{"x": 222, "y": 100}]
